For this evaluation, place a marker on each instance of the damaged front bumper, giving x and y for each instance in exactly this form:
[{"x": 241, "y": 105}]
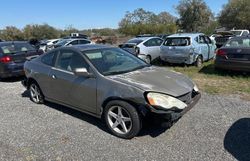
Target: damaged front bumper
[{"x": 173, "y": 115}]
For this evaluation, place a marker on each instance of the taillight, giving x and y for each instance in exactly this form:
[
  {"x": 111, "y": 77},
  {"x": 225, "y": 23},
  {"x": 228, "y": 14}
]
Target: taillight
[
  {"x": 5, "y": 59},
  {"x": 221, "y": 52}
]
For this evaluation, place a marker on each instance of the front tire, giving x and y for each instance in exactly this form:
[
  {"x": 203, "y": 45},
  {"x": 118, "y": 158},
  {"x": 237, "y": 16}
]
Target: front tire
[
  {"x": 122, "y": 119},
  {"x": 35, "y": 93},
  {"x": 148, "y": 59}
]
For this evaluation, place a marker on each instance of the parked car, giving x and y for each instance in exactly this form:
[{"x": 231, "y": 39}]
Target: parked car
[
  {"x": 12, "y": 57},
  {"x": 48, "y": 44},
  {"x": 187, "y": 48},
  {"x": 69, "y": 42},
  {"x": 234, "y": 55},
  {"x": 146, "y": 48},
  {"x": 110, "y": 83},
  {"x": 223, "y": 36}
]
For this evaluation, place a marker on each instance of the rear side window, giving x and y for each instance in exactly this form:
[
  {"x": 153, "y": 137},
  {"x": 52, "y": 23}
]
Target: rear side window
[
  {"x": 153, "y": 42},
  {"x": 48, "y": 59},
  {"x": 83, "y": 42},
  {"x": 178, "y": 41}
]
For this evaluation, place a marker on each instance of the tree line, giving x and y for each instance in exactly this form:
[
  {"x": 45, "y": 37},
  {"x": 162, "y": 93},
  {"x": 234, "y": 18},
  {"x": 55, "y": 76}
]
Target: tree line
[{"x": 194, "y": 16}]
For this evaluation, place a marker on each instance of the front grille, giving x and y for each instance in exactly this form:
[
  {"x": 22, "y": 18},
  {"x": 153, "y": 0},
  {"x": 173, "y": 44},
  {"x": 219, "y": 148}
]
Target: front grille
[{"x": 187, "y": 98}]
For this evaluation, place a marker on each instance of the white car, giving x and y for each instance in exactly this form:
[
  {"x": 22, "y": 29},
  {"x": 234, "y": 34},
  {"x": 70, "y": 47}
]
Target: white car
[
  {"x": 48, "y": 43},
  {"x": 146, "y": 48},
  {"x": 70, "y": 42}
]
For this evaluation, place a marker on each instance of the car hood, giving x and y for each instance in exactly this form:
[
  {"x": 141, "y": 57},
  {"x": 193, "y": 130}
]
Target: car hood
[{"x": 157, "y": 79}]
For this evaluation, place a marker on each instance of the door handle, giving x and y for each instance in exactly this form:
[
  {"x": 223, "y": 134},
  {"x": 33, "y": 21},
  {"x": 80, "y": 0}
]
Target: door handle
[{"x": 53, "y": 76}]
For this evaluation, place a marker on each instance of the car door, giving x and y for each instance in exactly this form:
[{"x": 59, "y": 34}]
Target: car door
[
  {"x": 211, "y": 47},
  {"x": 153, "y": 47},
  {"x": 203, "y": 46},
  {"x": 66, "y": 87}
]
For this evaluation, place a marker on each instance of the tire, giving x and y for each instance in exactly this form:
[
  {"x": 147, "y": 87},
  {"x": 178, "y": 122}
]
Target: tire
[
  {"x": 199, "y": 61},
  {"x": 125, "y": 124},
  {"x": 148, "y": 59},
  {"x": 137, "y": 51},
  {"x": 36, "y": 94}
]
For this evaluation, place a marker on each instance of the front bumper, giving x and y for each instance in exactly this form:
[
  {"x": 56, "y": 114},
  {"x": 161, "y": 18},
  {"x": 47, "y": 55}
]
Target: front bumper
[{"x": 173, "y": 115}]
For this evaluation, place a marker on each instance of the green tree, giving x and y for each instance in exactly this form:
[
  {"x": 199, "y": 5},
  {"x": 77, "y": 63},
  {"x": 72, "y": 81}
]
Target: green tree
[
  {"x": 145, "y": 22},
  {"x": 40, "y": 32},
  {"x": 11, "y": 33},
  {"x": 194, "y": 15},
  {"x": 235, "y": 14}
]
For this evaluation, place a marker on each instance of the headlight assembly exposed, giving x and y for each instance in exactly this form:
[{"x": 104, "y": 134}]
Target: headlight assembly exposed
[
  {"x": 196, "y": 89},
  {"x": 164, "y": 101}
]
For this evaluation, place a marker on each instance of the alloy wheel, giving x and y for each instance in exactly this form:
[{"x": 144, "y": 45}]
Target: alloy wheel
[
  {"x": 119, "y": 120},
  {"x": 35, "y": 93}
]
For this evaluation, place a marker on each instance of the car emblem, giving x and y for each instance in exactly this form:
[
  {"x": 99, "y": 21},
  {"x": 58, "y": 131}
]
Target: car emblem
[{"x": 239, "y": 50}]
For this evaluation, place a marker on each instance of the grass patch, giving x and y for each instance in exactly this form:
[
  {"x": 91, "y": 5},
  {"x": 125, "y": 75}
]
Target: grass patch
[{"x": 217, "y": 82}]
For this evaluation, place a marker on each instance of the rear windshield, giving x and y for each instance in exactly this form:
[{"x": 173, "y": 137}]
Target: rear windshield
[
  {"x": 177, "y": 41},
  {"x": 135, "y": 41},
  {"x": 12, "y": 48},
  {"x": 240, "y": 42}
]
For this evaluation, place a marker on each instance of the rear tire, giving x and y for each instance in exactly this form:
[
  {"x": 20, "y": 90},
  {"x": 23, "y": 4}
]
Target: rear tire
[
  {"x": 199, "y": 61},
  {"x": 35, "y": 92},
  {"x": 122, "y": 119},
  {"x": 148, "y": 59}
]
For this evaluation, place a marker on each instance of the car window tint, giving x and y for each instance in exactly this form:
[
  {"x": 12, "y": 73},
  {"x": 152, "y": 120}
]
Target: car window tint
[
  {"x": 208, "y": 40},
  {"x": 23, "y": 47},
  {"x": 48, "y": 59},
  {"x": 8, "y": 48},
  {"x": 245, "y": 33},
  {"x": 75, "y": 42},
  {"x": 70, "y": 60},
  {"x": 244, "y": 42},
  {"x": 177, "y": 41},
  {"x": 153, "y": 42},
  {"x": 16, "y": 47},
  {"x": 202, "y": 40},
  {"x": 83, "y": 42}
]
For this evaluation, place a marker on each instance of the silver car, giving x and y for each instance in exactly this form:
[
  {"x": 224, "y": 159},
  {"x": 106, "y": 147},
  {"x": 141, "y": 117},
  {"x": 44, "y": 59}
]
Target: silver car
[
  {"x": 190, "y": 48},
  {"x": 110, "y": 83},
  {"x": 146, "y": 48}
]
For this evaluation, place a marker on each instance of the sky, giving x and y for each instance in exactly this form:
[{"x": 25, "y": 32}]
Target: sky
[{"x": 82, "y": 14}]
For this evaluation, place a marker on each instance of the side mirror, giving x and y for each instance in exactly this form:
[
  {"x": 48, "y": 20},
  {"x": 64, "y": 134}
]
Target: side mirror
[{"x": 83, "y": 72}]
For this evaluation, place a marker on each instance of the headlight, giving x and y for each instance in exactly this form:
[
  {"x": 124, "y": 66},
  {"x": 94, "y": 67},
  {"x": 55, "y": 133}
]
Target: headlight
[
  {"x": 165, "y": 101},
  {"x": 196, "y": 89}
]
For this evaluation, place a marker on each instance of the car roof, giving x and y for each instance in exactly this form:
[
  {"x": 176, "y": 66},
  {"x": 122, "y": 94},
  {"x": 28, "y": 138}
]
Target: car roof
[
  {"x": 86, "y": 47},
  {"x": 143, "y": 38},
  {"x": 192, "y": 35}
]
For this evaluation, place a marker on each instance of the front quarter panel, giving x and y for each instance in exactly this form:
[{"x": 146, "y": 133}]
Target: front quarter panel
[{"x": 109, "y": 89}]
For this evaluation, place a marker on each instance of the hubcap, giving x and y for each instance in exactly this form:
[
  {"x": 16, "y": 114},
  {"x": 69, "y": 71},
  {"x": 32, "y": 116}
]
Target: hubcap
[
  {"x": 119, "y": 120},
  {"x": 35, "y": 93},
  {"x": 148, "y": 60}
]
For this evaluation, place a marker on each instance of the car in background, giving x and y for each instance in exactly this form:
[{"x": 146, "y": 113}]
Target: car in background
[
  {"x": 48, "y": 43},
  {"x": 13, "y": 55},
  {"x": 69, "y": 42},
  {"x": 187, "y": 48},
  {"x": 146, "y": 48},
  {"x": 223, "y": 36},
  {"x": 234, "y": 55},
  {"x": 112, "y": 84}
]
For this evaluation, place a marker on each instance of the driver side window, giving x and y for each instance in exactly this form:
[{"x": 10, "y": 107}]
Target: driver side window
[{"x": 69, "y": 60}]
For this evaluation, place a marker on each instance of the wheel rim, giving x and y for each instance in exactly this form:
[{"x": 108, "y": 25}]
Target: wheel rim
[
  {"x": 119, "y": 120},
  {"x": 35, "y": 93}
]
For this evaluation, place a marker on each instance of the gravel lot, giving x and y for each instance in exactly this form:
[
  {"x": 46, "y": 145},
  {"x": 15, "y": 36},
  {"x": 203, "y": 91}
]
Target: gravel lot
[{"x": 218, "y": 128}]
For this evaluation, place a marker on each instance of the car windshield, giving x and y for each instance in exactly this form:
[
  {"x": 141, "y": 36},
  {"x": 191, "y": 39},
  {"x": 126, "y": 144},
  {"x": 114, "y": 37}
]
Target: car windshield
[
  {"x": 237, "y": 33},
  {"x": 177, "y": 41},
  {"x": 114, "y": 61},
  {"x": 240, "y": 42},
  {"x": 13, "y": 48},
  {"x": 135, "y": 41},
  {"x": 62, "y": 42}
]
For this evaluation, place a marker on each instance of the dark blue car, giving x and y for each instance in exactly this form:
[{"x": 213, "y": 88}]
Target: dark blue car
[{"x": 13, "y": 55}]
